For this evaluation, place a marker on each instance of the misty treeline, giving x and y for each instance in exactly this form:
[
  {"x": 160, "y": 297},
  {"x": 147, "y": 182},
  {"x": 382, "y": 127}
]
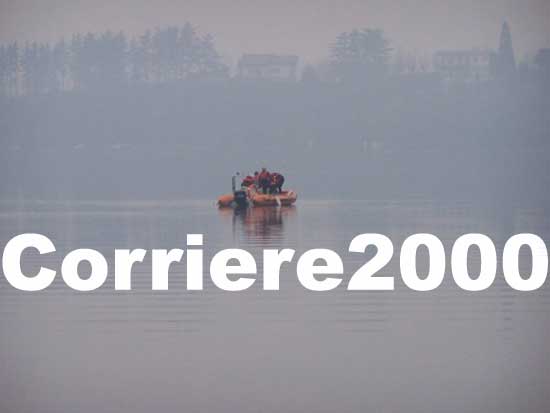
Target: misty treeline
[
  {"x": 184, "y": 126},
  {"x": 91, "y": 60},
  {"x": 97, "y": 61}
]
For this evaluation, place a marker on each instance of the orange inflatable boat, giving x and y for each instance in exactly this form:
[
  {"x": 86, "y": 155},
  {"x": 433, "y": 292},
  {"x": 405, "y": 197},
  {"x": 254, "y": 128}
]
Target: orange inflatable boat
[
  {"x": 238, "y": 199},
  {"x": 285, "y": 198}
]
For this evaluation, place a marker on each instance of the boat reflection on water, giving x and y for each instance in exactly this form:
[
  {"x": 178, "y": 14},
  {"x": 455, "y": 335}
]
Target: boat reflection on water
[{"x": 260, "y": 225}]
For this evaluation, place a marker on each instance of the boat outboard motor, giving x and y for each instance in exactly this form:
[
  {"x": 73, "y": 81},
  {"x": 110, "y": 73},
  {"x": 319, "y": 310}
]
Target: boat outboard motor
[{"x": 239, "y": 195}]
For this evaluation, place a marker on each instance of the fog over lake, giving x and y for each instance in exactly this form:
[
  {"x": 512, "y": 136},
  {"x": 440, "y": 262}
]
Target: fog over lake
[{"x": 121, "y": 123}]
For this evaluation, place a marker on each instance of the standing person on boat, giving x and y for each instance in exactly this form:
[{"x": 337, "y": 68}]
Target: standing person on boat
[
  {"x": 277, "y": 181},
  {"x": 264, "y": 179},
  {"x": 257, "y": 179},
  {"x": 247, "y": 181}
]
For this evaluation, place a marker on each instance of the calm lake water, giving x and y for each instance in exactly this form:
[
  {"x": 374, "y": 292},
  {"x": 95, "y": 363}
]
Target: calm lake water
[{"x": 257, "y": 351}]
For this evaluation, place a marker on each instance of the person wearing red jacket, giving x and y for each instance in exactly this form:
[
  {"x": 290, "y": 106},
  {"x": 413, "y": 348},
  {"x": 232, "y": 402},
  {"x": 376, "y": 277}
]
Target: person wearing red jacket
[
  {"x": 247, "y": 181},
  {"x": 264, "y": 180}
]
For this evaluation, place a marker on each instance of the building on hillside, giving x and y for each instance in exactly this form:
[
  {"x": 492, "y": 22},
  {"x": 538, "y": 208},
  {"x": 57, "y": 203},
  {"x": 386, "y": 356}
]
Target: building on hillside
[
  {"x": 464, "y": 65},
  {"x": 268, "y": 67}
]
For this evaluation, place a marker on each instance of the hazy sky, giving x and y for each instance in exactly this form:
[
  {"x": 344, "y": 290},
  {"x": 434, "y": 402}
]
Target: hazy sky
[{"x": 302, "y": 27}]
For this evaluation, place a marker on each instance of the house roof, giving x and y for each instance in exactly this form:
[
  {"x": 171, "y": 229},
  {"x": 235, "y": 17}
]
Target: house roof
[{"x": 267, "y": 60}]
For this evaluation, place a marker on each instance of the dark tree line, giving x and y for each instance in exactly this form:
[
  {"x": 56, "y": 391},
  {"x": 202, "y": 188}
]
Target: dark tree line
[
  {"x": 92, "y": 61},
  {"x": 102, "y": 60},
  {"x": 359, "y": 54}
]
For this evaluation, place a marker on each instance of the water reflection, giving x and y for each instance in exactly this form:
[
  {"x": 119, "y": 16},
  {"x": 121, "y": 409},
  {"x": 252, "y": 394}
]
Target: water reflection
[
  {"x": 260, "y": 225},
  {"x": 375, "y": 342}
]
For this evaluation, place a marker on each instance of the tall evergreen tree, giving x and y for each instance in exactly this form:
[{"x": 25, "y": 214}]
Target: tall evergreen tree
[
  {"x": 76, "y": 61},
  {"x": 3, "y": 71},
  {"x": 146, "y": 55},
  {"x": 506, "y": 62},
  {"x": 12, "y": 69},
  {"x": 29, "y": 66},
  {"x": 61, "y": 64}
]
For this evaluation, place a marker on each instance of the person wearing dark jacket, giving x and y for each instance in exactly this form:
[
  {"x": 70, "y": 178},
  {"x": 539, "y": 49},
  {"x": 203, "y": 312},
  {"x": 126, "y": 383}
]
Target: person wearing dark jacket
[
  {"x": 264, "y": 180},
  {"x": 277, "y": 181}
]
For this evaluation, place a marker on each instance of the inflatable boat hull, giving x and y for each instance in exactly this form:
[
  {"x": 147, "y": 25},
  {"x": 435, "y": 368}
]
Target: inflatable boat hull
[
  {"x": 229, "y": 201},
  {"x": 285, "y": 198}
]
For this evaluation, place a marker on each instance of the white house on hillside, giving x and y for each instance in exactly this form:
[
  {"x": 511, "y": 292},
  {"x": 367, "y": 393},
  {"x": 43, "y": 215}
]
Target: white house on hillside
[{"x": 464, "y": 65}]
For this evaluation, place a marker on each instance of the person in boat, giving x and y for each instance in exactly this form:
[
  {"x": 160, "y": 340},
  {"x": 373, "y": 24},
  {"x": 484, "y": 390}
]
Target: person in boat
[
  {"x": 264, "y": 180},
  {"x": 277, "y": 181},
  {"x": 247, "y": 181},
  {"x": 257, "y": 179}
]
